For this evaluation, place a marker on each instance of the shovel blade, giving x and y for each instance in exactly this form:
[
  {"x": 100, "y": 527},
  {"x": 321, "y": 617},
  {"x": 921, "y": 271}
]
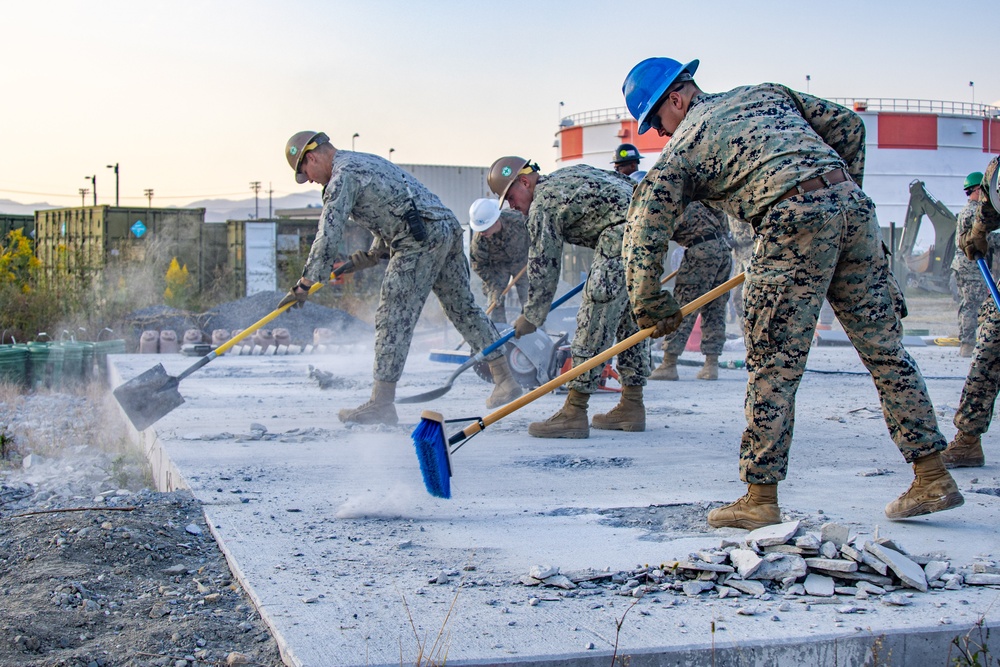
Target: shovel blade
[{"x": 148, "y": 397}]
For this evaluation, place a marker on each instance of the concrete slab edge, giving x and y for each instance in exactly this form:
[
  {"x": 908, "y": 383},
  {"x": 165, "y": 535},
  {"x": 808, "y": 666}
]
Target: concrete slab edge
[
  {"x": 913, "y": 647},
  {"x": 167, "y": 477},
  {"x": 287, "y": 653}
]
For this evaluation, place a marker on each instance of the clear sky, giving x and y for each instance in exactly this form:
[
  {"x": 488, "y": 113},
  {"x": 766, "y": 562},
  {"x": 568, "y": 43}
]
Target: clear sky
[{"x": 197, "y": 98}]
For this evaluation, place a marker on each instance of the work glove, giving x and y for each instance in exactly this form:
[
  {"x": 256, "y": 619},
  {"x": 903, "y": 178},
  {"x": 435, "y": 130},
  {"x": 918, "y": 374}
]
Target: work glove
[
  {"x": 522, "y": 327},
  {"x": 363, "y": 259},
  {"x": 296, "y": 296},
  {"x": 667, "y": 325},
  {"x": 973, "y": 243}
]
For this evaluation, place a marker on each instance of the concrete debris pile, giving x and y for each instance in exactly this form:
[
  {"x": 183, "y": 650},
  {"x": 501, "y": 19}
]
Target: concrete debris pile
[{"x": 782, "y": 560}]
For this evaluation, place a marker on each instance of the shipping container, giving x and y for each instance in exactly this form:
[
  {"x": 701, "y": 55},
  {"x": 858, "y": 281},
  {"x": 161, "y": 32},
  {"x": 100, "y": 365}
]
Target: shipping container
[
  {"x": 11, "y": 221},
  {"x": 79, "y": 243}
]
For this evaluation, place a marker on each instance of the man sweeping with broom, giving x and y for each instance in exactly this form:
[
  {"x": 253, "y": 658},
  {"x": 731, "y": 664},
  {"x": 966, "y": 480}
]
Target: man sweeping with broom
[
  {"x": 423, "y": 241},
  {"x": 791, "y": 164}
]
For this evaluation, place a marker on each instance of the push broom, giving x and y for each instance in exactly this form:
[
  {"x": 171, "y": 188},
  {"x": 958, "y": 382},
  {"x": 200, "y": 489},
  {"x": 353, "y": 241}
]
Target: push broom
[{"x": 434, "y": 449}]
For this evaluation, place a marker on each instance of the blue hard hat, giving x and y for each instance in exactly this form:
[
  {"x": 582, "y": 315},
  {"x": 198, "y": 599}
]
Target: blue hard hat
[{"x": 646, "y": 83}]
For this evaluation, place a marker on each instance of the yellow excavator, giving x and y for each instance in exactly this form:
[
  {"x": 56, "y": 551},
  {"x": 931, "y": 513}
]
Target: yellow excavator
[{"x": 930, "y": 270}]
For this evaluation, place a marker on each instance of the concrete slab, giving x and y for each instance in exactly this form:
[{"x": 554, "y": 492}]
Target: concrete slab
[{"x": 331, "y": 531}]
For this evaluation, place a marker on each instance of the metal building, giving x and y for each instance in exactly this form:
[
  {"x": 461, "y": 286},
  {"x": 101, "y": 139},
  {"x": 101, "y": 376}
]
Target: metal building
[{"x": 11, "y": 221}]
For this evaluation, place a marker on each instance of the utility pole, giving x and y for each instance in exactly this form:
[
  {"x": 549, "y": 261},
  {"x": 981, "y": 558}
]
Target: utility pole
[
  {"x": 391, "y": 151},
  {"x": 93, "y": 182},
  {"x": 559, "y": 113},
  {"x": 115, "y": 167},
  {"x": 83, "y": 196},
  {"x": 972, "y": 84},
  {"x": 356, "y": 135},
  {"x": 808, "y": 79},
  {"x": 148, "y": 194},
  {"x": 255, "y": 186},
  {"x": 270, "y": 191}
]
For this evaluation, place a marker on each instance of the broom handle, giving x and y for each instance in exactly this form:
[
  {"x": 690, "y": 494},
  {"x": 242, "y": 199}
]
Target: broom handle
[
  {"x": 593, "y": 362},
  {"x": 667, "y": 279},
  {"x": 520, "y": 274},
  {"x": 984, "y": 268}
]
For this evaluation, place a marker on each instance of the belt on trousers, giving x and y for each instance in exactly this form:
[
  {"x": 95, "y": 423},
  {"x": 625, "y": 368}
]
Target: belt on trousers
[
  {"x": 809, "y": 185},
  {"x": 704, "y": 238}
]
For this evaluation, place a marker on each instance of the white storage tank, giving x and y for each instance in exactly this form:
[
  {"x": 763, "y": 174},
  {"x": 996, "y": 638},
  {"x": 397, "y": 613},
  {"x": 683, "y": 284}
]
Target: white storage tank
[{"x": 937, "y": 142}]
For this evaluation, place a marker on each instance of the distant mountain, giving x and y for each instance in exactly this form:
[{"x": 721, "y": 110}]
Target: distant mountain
[
  {"x": 220, "y": 210},
  {"x": 216, "y": 210},
  {"x": 12, "y": 207}
]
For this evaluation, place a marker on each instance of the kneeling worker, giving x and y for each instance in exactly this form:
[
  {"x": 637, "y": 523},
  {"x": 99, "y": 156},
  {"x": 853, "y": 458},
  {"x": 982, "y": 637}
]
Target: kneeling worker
[{"x": 498, "y": 252}]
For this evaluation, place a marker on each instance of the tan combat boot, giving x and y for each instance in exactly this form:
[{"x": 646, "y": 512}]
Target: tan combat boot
[
  {"x": 628, "y": 415},
  {"x": 758, "y": 508},
  {"x": 966, "y": 350},
  {"x": 569, "y": 422},
  {"x": 505, "y": 387},
  {"x": 710, "y": 371},
  {"x": 379, "y": 409},
  {"x": 667, "y": 370},
  {"x": 932, "y": 490},
  {"x": 965, "y": 451}
]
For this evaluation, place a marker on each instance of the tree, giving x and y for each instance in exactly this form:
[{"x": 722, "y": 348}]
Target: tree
[
  {"x": 18, "y": 264},
  {"x": 178, "y": 285}
]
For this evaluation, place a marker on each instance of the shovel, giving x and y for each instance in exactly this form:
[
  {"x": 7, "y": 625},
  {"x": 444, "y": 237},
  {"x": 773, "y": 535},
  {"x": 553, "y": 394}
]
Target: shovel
[
  {"x": 148, "y": 397},
  {"x": 475, "y": 359}
]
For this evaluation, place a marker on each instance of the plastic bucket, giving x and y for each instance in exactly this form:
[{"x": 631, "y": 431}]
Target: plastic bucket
[
  {"x": 14, "y": 364},
  {"x": 72, "y": 370},
  {"x": 102, "y": 349},
  {"x": 45, "y": 363}
]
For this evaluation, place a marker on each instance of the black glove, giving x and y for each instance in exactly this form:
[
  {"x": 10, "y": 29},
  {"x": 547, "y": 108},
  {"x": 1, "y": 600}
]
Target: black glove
[
  {"x": 296, "y": 296},
  {"x": 661, "y": 328},
  {"x": 363, "y": 259},
  {"x": 973, "y": 243},
  {"x": 522, "y": 327}
]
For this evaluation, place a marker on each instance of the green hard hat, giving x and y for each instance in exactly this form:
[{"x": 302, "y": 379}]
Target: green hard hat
[{"x": 972, "y": 180}]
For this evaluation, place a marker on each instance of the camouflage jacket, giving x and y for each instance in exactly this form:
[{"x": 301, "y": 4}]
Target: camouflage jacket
[
  {"x": 571, "y": 205},
  {"x": 988, "y": 216},
  {"x": 739, "y": 151},
  {"x": 962, "y": 264},
  {"x": 376, "y": 194},
  {"x": 699, "y": 223},
  {"x": 494, "y": 258}
]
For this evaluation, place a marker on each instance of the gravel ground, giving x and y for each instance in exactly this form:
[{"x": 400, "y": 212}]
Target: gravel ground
[{"x": 96, "y": 569}]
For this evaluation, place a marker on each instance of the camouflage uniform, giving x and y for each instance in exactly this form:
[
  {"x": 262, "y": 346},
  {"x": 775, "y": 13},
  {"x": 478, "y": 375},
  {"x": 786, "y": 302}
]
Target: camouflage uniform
[
  {"x": 975, "y": 410},
  {"x": 499, "y": 257},
  {"x": 373, "y": 192},
  {"x": 585, "y": 206},
  {"x": 706, "y": 265},
  {"x": 971, "y": 287},
  {"x": 741, "y": 238},
  {"x": 742, "y": 151}
]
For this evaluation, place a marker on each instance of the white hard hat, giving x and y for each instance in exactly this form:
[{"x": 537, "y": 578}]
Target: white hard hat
[{"x": 483, "y": 214}]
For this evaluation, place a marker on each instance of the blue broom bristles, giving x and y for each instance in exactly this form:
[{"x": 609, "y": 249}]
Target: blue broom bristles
[{"x": 432, "y": 454}]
